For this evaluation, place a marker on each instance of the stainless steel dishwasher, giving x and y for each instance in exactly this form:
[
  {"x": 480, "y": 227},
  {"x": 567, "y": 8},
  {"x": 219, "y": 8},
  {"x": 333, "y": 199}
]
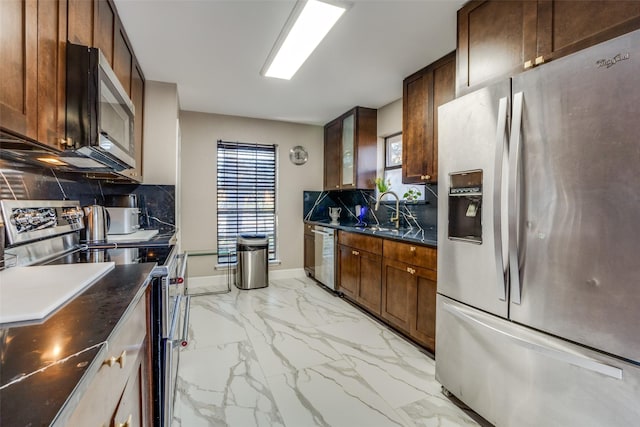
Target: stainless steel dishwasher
[{"x": 325, "y": 256}]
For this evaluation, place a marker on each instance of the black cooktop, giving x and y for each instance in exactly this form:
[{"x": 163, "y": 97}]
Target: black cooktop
[{"x": 120, "y": 256}]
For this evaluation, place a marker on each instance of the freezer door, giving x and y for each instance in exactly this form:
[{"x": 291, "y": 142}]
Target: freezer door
[
  {"x": 471, "y": 138},
  {"x": 515, "y": 376},
  {"x": 577, "y": 188}
]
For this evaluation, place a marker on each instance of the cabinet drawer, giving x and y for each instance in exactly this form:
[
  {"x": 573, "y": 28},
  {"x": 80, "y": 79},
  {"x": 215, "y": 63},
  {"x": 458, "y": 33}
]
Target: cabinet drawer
[
  {"x": 361, "y": 241},
  {"x": 420, "y": 256},
  {"x": 101, "y": 398}
]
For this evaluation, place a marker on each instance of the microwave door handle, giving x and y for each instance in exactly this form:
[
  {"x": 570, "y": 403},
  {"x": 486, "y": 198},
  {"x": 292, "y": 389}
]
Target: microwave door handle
[
  {"x": 515, "y": 146},
  {"x": 501, "y": 135}
]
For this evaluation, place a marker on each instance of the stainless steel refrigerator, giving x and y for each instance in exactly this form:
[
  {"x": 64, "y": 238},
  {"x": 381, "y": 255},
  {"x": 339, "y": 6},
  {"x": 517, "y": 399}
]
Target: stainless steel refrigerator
[{"x": 538, "y": 307}]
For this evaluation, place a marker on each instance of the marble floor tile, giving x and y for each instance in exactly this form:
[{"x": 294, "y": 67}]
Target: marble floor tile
[
  {"x": 333, "y": 395},
  {"x": 295, "y": 355},
  {"x": 223, "y": 386},
  {"x": 435, "y": 411}
]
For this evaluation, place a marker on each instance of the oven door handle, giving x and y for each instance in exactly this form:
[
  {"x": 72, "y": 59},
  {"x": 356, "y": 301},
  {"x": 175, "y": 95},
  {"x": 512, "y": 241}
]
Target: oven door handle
[
  {"x": 182, "y": 270},
  {"x": 184, "y": 340},
  {"x": 174, "y": 318}
]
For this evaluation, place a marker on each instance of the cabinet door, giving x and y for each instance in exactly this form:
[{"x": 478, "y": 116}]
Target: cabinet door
[
  {"x": 349, "y": 268},
  {"x": 365, "y": 148},
  {"x": 444, "y": 90},
  {"x": 495, "y": 39},
  {"x": 18, "y": 67},
  {"x": 122, "y": 59},
  {"x": 137, "y": 97},
  {"x": 104, "y": 29},
  {"x": 423, "y": 307},
  {"x": 80, "y": 21},
  {"x": 348, "y": 156},
  {"x": 370, "y": 281},
  {"x": 417, "y": 139},
  {"x": 130, "y": 410},
  {"x": 398, "y": 286},
  {"x": 309, "y": 254},
  {"x": 332, "y": 154},
  {"x": 565, "y": 27},
  {"x": 52, "y": 36}
]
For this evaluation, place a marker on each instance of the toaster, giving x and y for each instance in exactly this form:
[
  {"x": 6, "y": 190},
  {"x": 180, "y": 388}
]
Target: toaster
[{"x": 123, "y": 220}]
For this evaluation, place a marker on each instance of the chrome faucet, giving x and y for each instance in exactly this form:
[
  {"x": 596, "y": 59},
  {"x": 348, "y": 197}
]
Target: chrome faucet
[{"x": 396, "y": 218}]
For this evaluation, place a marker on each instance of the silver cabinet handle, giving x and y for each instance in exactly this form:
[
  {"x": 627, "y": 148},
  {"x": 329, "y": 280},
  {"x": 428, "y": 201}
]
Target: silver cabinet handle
[
  {"x": 548, "y": 351},
  {"x": 501, "y": 135},
  {"x": 514, "y": 162}
]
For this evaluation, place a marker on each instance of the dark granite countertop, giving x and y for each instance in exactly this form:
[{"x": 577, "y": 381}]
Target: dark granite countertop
[
  {"x": 427, "y": 237},
  {"x": 42, "y": 365}
]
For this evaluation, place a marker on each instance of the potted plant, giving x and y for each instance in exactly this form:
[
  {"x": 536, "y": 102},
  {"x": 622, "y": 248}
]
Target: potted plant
[
  {"x": 412, "y": 194},
  {"x": 382, "y": 185}
]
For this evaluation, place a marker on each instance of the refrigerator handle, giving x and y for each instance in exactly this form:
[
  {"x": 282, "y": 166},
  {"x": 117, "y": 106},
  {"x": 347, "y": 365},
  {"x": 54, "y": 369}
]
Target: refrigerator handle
[
  {"x": 514, "y": 163},
  {"x": 563, "y": 355},
  {"x": 501, "y": 135}
]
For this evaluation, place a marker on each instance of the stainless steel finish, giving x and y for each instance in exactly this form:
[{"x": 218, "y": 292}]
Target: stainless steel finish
[
  {"x": 171, "y": 358},
  {"x": 471, "y": 123},
  {"x": 514, "y": 198},
  {"x": 96, "y": 224},
  {"x": 29, "y": 220},
  {"x": 568, "y": 354},
  {"x": 467, "y": 315},
  {"x": 253, "y": 263},
  {"x": 184, "y": 340},
  {"x": 105, "y": 68},
  {"x": 123, "y": 220},
  {"x": 395, "y": 219},
  {"x": 580, "y": 205},
  {"x": 325, "y": 256},
  {"x": 510, "y": 384},
  {"x": 501, "y": 136}
]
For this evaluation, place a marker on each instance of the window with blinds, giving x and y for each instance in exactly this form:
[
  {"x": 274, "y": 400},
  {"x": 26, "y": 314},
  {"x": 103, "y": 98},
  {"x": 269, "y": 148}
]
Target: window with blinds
[{"x": 246, "y": 195}]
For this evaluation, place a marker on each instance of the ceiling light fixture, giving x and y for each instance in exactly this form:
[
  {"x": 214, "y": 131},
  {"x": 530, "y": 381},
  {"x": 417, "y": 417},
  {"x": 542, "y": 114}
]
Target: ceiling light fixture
[{"x": 308, "y": 24}]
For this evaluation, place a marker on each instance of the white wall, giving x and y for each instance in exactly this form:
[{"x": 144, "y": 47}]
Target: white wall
[
  {"x": 201, "y": 131},
  {"x": 389, "y": 122},
  {"x": 160, "y": 151}
]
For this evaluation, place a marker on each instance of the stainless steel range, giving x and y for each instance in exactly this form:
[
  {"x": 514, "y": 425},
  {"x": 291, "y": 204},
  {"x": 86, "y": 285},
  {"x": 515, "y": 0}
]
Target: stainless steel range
[{"x": 43, "y": 232}]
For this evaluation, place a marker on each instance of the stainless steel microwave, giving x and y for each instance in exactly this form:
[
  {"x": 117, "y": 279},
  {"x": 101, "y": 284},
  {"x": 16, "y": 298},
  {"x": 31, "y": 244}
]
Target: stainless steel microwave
[{"x": 100, "y": 114}]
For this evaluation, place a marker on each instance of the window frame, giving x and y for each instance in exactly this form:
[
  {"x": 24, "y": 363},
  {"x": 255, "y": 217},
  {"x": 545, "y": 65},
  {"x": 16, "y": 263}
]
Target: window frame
[{"x": 246, "y": 173}]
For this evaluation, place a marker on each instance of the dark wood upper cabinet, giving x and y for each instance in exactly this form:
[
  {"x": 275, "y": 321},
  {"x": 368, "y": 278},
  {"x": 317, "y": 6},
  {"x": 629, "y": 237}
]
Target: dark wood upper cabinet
[
  {"x": 332, "y": 147},
  {"x": 350, "y": 148},
  {"x": 423, "y": 92},
  {"x": 122, "y": 59},
  {"x": 52, "y": 36},
  {"x": 80, "y": 15},
  {"x": 498, "y": 39},
  {"x": 18, "y": 67},
  {"x": 137, "y": 97},
  {"x": 104, "y": 30}
]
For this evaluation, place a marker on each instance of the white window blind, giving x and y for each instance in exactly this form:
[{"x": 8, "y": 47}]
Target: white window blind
[{"x": 246, "y": 195}]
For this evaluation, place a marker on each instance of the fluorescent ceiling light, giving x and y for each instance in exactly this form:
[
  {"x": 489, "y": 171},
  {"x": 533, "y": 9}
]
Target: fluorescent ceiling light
[{"x": 307, "y": 25}]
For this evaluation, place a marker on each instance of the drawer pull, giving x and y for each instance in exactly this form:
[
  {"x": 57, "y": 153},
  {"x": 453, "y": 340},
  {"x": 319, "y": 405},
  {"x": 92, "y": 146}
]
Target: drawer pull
[
  {"x": 528, "y": 64},
  {"x": 126, "y": 423},
  {"x": 356, "y": 253},
  {"x": 539, "y": 60},
  {"x": 412, "y": 248},
  {"x": 411, "y": 270},
  {"x": 119, "y": 360}
]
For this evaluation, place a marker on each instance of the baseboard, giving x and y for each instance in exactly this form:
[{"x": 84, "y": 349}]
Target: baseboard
[{"x": 221, "y": 279}]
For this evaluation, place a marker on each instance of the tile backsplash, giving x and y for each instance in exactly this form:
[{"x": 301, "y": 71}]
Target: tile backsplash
[
  {"x": 25, "y": 182},
  {"x": 316, "y": 206}
]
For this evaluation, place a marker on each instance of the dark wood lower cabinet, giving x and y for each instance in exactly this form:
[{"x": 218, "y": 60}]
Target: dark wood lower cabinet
[
  {"x": 359, "y": 277},
  {"x": 409, "y": 300}
]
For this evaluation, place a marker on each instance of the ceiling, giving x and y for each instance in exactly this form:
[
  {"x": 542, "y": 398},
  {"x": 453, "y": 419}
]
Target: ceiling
[{"x": 214, "y": 51}]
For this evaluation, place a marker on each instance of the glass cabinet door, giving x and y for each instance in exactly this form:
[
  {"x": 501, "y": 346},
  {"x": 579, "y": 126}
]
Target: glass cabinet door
[{"x": 348, "y": 156}]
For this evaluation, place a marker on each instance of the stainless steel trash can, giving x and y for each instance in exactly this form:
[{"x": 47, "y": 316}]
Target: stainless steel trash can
[{"x": 253, "y": 258}]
